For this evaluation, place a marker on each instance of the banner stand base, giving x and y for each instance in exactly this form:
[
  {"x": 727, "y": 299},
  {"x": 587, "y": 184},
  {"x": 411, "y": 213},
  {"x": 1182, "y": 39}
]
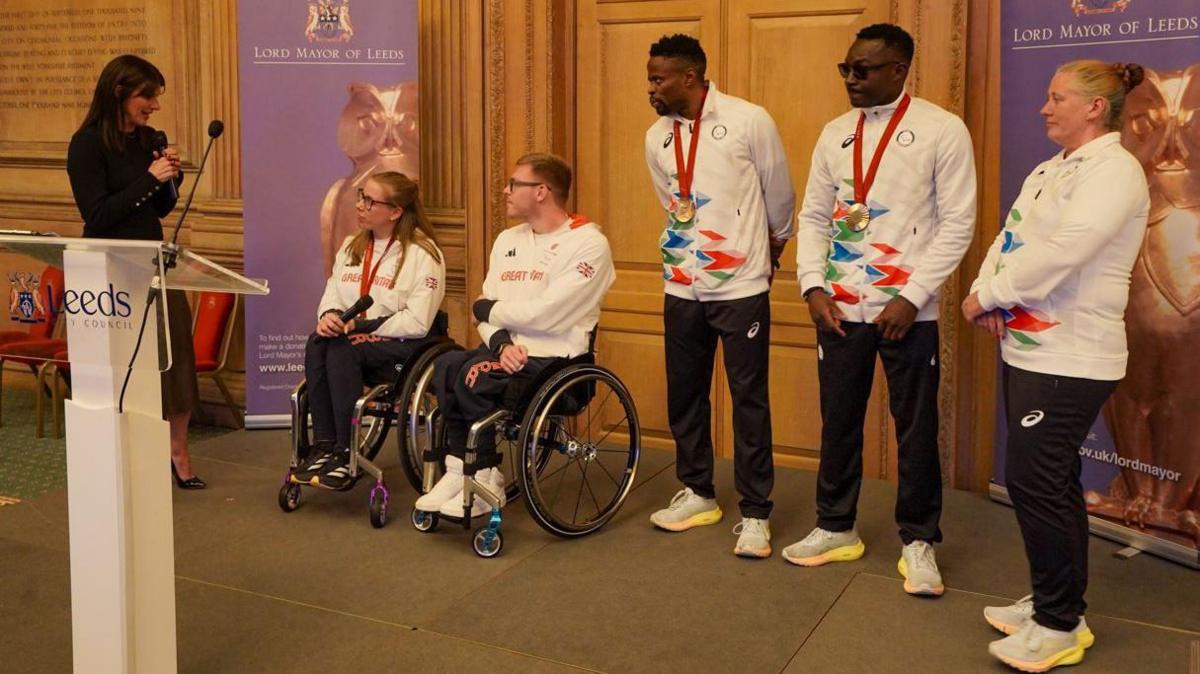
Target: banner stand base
[
  {"x": 1174, "y": 552},
  {"x": 256, "y": 422}
]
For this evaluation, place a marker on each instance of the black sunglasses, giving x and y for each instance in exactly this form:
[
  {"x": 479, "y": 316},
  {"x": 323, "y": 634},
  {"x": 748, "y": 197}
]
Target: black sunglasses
[{"x": 861, "y": 70}]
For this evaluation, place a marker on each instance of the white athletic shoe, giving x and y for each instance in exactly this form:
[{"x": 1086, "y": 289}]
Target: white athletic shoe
[
  {"x": 445, "y": 489},
  {"x": 491, "y": 479}
]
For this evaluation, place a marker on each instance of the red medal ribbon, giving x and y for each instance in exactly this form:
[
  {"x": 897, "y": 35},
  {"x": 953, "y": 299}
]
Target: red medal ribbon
[
  {"x": 861, "y": 187},
  {"x": 364, "y": 284},
  {"x": 686, "y": 172}
]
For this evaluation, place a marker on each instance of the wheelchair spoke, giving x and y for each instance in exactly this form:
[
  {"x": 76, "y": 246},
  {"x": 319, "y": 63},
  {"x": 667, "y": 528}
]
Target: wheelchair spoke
[
  {"x": 615, "y": 426},
  {"x": 611, "y": 390},
  {"x": 579, "y": 498},
  {"x": 614, "y": 480},
  {"x": 558, "y": 489},
  {"x": 589, "y": 488},
  {"x": 556, "y": 471}
]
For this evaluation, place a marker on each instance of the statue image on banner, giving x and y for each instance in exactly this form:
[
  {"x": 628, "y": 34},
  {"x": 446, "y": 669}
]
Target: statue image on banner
[
  {"x": 1153, "y": 416},
  {"x": 378, "y": 132}
]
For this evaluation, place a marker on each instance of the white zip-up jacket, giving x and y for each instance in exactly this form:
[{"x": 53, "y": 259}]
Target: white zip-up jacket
[
  {"x": 922, "y": 211},
  {"x": 1060, "y": 267},
  {"x": 743, "y": 191},
  {"x": 402, "y": 310},
  {"x": 546, "y": 288}
]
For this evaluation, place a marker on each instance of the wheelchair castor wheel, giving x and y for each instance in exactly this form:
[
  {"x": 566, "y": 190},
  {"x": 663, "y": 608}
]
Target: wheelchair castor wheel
[
  {"x": 378, "y": 504},
  {"x": 423, "y": 521},
  {"x": 487, "y": 543},
  {"x": 289, "y": 497}
]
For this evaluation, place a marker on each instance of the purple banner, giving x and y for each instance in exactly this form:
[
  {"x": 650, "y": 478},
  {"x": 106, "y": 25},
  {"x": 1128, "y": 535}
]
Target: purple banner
[
  {"x": 328, "y": 96},
  {"x": 1141, "y": 461}
]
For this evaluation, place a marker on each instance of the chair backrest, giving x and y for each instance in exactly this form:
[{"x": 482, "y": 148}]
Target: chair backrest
[
  {"x": 441, "y": 325},
  {"x": 51, "y": 291},
  {"x": 212, "y": 327}
]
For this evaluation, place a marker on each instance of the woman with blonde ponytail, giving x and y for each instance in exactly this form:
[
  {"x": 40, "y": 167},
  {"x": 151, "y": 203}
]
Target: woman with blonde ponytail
[
  {"x": 1054, "y": 288},
  {"x": 395, "y": 259}
]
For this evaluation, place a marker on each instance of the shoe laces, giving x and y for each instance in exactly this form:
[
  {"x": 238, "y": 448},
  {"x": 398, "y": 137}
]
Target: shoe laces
[
  {"x": 1024, "y": 604},
  {"x": 751, "y": 526},
  {"x": 816, "y": 535},
  {"x": 680, "y": 498},
  {"x": 922, "y": 555}
]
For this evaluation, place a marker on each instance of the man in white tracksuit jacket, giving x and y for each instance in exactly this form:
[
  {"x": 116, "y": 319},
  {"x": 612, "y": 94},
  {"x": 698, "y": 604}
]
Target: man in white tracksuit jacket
[
  {"x": 888, "y": 212},
  {"x": 719, "y": 169}
]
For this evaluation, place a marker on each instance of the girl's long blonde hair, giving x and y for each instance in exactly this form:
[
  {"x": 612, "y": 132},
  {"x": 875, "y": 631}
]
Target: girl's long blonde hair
[{"x": 413, "y": 226}]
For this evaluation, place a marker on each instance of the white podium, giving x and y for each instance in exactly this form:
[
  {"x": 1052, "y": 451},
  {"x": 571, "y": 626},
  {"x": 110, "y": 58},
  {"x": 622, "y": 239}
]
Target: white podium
[{"x": 118, "y": 476}]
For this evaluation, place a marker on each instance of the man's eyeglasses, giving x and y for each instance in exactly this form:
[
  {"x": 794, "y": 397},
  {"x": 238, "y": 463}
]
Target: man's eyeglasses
[
  {"x": 370, "y": 203},
  {"x": 861, "y": 70},
  {"x": 513, "y": 184}
]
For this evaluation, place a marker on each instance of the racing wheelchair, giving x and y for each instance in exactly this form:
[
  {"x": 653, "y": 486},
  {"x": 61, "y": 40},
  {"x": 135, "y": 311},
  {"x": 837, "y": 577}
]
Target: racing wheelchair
[
  {"x": 571, "y": 439},
  {"x": 374, "y": 413}
]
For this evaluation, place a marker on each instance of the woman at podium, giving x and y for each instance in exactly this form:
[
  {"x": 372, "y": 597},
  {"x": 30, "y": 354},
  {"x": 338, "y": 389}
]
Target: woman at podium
[
  {"x": 125, "y": 180},
  {"x": 395, "y": 259}
]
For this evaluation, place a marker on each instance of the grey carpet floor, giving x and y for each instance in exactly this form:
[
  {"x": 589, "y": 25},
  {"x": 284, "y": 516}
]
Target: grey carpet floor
[{"x": 319, "y": 590}]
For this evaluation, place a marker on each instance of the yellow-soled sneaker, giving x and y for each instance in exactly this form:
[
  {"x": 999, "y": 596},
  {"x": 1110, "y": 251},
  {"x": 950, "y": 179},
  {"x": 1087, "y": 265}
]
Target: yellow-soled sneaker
[
  {"x": 686, "y": 510},
  {"x": 1034, "y": 648},
  {"x": 821, "y": 547},
  {"x": 1008, "y": 619},
  {"x": 754, "y": 538},
  {"x": 919, "y": 567}
]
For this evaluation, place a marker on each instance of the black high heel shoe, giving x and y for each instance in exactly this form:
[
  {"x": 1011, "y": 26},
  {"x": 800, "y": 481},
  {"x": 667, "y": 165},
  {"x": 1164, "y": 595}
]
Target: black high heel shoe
[{"x": 193, "y": 482}]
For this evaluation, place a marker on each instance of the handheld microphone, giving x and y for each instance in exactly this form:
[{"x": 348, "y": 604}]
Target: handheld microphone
[
  {"x": 362, "y": 304},
  {"x": 158, "y": 143},
  {"x": 215, "y": 129}
]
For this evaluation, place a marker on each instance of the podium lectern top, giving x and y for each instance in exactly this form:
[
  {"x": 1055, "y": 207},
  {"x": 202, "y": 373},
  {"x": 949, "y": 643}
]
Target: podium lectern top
[{"x": 99, "y": 288}]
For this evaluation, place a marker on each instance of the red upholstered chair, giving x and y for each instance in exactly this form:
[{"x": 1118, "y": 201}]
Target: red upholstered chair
[
  {"x": 32, "y": 354},
  {"x": 53, "y": 376},
  {"x": 212, "y": 334}
]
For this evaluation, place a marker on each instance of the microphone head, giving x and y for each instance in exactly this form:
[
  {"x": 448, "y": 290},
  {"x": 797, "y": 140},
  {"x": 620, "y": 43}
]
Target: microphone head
[
  {"x": 364, "y": 302},
  {"x": 216, "y": 128},
  {"x": 158, "y": 142}
]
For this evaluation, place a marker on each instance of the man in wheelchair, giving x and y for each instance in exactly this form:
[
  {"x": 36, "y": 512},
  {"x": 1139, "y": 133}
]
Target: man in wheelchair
[{"x": 541, "y": 300}]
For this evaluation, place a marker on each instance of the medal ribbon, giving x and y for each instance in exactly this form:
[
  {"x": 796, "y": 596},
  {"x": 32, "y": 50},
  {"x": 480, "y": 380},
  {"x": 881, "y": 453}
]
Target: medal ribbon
[
  {"x": 686, "y": 172},
  {"x": 861, "y": 187},
  {"x": 364, "y": 285}
]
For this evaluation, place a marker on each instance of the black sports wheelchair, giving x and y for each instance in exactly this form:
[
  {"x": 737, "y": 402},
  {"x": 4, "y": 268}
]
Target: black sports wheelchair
[{"x": 570, "y": 437}]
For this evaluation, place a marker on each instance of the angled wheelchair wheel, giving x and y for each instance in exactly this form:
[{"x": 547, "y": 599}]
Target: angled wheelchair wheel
[
  {"x": 579, "y": 448},
  {"x": 416, "y": 405}
]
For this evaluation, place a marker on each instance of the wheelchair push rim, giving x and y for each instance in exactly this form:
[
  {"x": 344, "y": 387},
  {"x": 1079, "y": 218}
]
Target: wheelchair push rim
[{"x": 579, "y": 449}]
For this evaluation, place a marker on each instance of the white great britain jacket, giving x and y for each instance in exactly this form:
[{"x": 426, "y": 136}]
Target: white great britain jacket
[
  {"x": 547, "y": 288},
  {"x": 407, "y": 307}
]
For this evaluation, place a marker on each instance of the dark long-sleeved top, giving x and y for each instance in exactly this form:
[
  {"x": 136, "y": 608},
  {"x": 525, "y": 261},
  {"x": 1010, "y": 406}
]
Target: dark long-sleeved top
[{"x": 116, "y": 194}]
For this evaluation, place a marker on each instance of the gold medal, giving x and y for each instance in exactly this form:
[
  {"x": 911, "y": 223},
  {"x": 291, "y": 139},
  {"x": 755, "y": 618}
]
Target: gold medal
[
  {"x": 685, "y": 210},
  {"x": 858, "y": 217}
]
